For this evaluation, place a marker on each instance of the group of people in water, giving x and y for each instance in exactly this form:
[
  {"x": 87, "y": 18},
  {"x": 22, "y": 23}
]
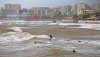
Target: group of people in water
[{"x": 51, "y": 37}]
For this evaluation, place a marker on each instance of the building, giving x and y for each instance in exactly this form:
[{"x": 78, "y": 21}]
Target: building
[
  {"x": 74, "y": 9},
  {"x": 39, "y": 11},
  {"x": 96, "y": 7},
  {"x": 34, "y": 11},
  {"x": 22, "y": 14},
  {"x": 1, "y": 7},
  {"x": 85, "y": 12},
  {"x": 11, "y": 9},
  {"x": 88, "y": 12},
  {"x": 6, "y": 12},
  {"x": 66, "y": 10},
  {"x": 12, "y": 6},
  {"x": 46, "y": 12},
  {"x": 51, "y": 14},
  {"x": 22, "y": 11},
  {"x": 3, "y": 12},
  {"x": 56, "y": 9},
  {"x": 0, "y": 12},
  {"x": 80, "y": 6}
]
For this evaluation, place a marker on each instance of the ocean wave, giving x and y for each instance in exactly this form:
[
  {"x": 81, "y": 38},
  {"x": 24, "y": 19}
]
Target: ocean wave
[
  {"x": 91, "y": 26},
  {"x": 19, "y": 36},
  {"x": 40, "y": 23},
  {"x": 16, "y": 29}
]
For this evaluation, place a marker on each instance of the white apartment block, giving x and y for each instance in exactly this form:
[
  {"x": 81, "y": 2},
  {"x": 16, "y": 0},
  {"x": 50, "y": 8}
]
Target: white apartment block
[
  {"x": 12, "y": 6},
  {"x": 96, "y": 7},
  {"x": 66, "y": 10},
  {"x": 81, "y": 6}
]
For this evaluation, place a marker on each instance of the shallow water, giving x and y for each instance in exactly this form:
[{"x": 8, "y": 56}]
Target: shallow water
[{"x": 17, "y": 39}]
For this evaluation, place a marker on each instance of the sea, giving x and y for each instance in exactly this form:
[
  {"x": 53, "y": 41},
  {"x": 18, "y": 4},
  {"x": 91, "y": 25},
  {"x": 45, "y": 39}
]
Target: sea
[{"x": 31, "y": 39}]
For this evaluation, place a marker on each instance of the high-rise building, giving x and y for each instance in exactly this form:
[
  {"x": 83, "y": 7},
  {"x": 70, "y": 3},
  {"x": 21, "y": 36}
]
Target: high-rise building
[
  {"x": 56, "y": 9},
  {"x": 74, "y": 9},
  {"x": 1, "y": 7},
  {"x": 3, "y": 12},
  {"x": 80, "y": 6},
  {"x": 0, "y": 12},
  {"x": 66, "y": 10},
  {"x": 96, "y": 7},
  {"x": 39, "y": 11},
  {"x": 46, "y": 12},
  {"x": 12, "y": 6}
]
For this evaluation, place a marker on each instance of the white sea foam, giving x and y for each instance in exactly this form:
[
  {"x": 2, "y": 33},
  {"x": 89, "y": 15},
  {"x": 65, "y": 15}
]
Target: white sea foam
[
  {"x": 17, "y": 29},
  {"x": 92, "y": 42},
  {"x": 0, "y": 22},
  {"x": 63, "y": 24},
  {"x": 91, "y": 26},
  {"x": 81, "y": 47},
  {"x": 36, "y": 23},
  {"x": 42, "y": 36},
  {"x": 82, "y": 25},
  {"x": 53, "y": 23},
  {"x": 16, "y": 36},
  {"x": 93, "y": 36},
  {"x": 19, "y": 36}
]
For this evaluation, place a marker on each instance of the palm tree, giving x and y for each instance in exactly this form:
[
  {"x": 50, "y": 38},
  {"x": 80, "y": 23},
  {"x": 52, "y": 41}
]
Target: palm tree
[
  {"x": 97, "y": 14},
  {"x": 75, "y": 16}
]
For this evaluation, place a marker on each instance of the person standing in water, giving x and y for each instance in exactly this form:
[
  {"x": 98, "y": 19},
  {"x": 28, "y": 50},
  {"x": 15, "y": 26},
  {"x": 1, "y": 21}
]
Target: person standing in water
[{"x": 50, "y": 37}]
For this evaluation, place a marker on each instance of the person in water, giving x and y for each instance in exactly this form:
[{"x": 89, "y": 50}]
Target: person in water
[
  {"x": 74, "y": 50},
  {"x": 35, "y": 42},
  {"x": 50, "y": 37}
]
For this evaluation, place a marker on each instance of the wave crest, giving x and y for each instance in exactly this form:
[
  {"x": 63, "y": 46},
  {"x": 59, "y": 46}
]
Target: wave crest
[{"x": 19, "y": 36}]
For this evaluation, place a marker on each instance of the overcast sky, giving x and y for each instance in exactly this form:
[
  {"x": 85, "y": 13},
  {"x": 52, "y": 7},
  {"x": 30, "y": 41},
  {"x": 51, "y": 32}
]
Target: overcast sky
[{"x": 45, "y": 3}]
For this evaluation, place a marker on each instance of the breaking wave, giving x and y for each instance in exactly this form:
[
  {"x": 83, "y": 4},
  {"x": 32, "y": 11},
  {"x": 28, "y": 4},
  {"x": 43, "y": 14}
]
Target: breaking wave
[
  {"x": 16, "y": 29},
  {"x": 19, "y": 36},
  {"x": 91, "y": 26}
]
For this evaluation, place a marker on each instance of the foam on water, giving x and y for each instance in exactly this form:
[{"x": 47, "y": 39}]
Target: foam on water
[
  {"x": 53, "y": 23},
  {"x": 0, "y": 22},
  {"x": 19, "y": 36},
  {"x": 93, "y": 36},
  {"x": 63, "y": 24},
  {"x": 69, "y": 44},
  {"x": 32, "y": 23},
  {"x": 86, "y": 26},
  {"x": 91, "y": 26},
  {"x": 42, "y": 36},
  {"x": 87, "y": 45},
  {"x": 17, "y": 29},
  {"x": 15, "y": 36}
]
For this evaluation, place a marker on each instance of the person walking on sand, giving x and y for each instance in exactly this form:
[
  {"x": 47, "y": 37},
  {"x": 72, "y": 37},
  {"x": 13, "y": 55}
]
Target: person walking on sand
[{"x": 50, "y": 37}]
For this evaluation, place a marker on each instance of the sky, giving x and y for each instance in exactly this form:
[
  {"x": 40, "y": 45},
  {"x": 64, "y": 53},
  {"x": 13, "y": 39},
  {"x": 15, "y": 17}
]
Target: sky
[{"x": 45, "y": 3}]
